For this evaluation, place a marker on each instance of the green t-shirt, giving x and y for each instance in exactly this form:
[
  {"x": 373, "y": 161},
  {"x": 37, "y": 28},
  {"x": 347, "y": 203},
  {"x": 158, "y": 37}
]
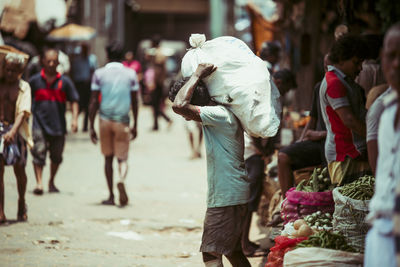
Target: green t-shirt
[{"x": 226, "y": 174}]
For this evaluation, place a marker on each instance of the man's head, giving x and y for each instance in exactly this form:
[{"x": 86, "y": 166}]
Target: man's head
[
  {"x": 115, "y": 52},
  {"x": 129, "y": 56},
  {"x": 200, "y": 97},
  {"x": 391, "y": 56},
  {"x": 341, "y": 30},
  {"x": 270, "y": 51},
  {"x": 50, "y": 61},
  {"x": 13, "y": 67},
  {"x": 285, "y": 81},
  {"x": 155, "y": 40},
  {"x": 348, "y": 53}
]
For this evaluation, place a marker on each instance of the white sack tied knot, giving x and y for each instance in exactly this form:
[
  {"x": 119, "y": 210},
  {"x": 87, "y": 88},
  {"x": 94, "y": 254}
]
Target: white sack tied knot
[{"x": 197, "y": 40}]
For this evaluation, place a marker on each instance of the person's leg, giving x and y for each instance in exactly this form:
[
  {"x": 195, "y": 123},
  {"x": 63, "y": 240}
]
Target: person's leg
[
  {"x": 56, "y": 148},
  {"x": 122, "y": 170},
  {"x": 121, "y": 150},
  {"x": 107, "y": 149},
  {"x": 155, "y": 103},
  {"x": 39, "y": 152},
  {"x": 255, "y": 168},
  {"x": 20, "y": 174},
  {"x": 108, "y": 169},
  {"x": 238, "y": 259},
  {"x": 3, "y": 218},
  {"x": 285, "y": 172},
  {"x": 212, "y": 260}
]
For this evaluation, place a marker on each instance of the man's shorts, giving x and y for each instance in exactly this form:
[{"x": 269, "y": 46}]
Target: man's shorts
[
  {"x": 305, "y": 154},
  {"x": 43, "y": 143},
  {"x": 223, "y": 227},
  {"x": 344, "y": 172},
  {"x": 114, "y": 139}
]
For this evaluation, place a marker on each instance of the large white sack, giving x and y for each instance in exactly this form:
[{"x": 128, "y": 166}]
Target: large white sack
[{"x": 241, "y": 82}]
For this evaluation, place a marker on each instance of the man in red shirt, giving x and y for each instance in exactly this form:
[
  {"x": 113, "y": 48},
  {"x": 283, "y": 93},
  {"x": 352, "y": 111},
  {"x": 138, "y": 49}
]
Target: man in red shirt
[{"x": 343, "y": 110}]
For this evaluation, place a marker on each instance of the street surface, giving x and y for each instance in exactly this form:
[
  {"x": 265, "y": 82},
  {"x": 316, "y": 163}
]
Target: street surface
[{"x": 161, "y": 226}]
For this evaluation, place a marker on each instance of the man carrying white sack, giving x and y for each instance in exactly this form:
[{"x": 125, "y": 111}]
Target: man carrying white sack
[
  {"x": 228, "y": 186},
  {"x": 241, "y": 82}
]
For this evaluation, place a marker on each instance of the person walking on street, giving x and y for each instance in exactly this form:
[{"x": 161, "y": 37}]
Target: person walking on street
[
  {"x": 83, "y": 64},
  {"x": 118, "y": 87},
  {"x": 50, "y": 92},
  {"x": 15, "y": 135},
  {"x": 228, "y": 185},
  {"x": 154, "y": 78}
]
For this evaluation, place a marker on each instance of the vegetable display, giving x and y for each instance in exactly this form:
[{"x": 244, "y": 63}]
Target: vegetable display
[
  {"x": 319, "y": 220},
  {"x": 318, "y": 182},
  {"x": 326, "y": 239},
  {"x": 360, "y": 189}
]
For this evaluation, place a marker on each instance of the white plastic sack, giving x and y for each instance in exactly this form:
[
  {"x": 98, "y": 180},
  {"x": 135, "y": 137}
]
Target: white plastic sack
[
  {"x": 349, "y": 219},
  {"x": 241, "y": 82},
  {"x": 308, "y": 257}
]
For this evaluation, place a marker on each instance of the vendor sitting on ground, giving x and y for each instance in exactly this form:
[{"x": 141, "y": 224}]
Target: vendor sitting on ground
[{"x": 309, "y": 150}]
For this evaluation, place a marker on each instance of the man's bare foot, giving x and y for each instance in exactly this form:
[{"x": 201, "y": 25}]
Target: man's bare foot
[
  {"x": 123, "y": 197},
  {"x": 3, "y": 218},
  {"x": 22, "y": 210},
  {"x": 38, "y": 191},
  {"x": 53, "y": 189},
  {"x": 109, "y": 201}
]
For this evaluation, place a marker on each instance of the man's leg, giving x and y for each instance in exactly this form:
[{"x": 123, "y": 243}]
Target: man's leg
[
  {"x": 238, "y": 259},
  {"x": 212, "y": 260},
  {"x": 56, "y": 148},
  {"x": 108, "y": 168},
  {"x": 122, "y": 170},
  {"x": 38, "y": 174},
  {"x": 38, "y": 151},
  {"x": 3, "y": 218},
  {"x": 255, "y": 168},
  {"x": 285, "y": 172},
  {"x": 20, "y": 174}
]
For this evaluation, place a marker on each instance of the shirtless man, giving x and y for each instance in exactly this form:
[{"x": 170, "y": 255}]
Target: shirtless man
[{"x": 15, "y": 108}]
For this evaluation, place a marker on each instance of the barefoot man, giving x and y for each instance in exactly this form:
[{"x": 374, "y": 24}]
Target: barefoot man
[{"x": 15, "y": 109}]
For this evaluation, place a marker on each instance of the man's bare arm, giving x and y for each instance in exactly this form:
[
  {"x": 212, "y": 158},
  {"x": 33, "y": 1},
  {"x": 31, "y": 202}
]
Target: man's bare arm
[
  {"x": 182, "y": 100},
  {"x": 350, "y": 121},
  {"x": 134, "y": 104},
  {"x": 93, "y": 107},
  {"x": 9, "y": 137}
]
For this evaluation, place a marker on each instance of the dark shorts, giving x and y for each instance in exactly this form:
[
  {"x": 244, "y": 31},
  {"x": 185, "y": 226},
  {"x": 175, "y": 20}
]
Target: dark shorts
[
  {"x": 305, "y": 154},
  {"x": 15, "y": 153},
  {"x": 255, "y": 167},
  {"x": 43, "y": 143},
  {"x": 223, "y": 228}
]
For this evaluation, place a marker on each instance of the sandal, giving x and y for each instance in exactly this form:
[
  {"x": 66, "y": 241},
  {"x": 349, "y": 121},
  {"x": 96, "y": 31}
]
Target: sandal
[{"x": 38, "y": 191}]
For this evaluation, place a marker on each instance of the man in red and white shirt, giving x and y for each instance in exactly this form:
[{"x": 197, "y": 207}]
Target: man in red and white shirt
[{"x": 343, "y": 110}]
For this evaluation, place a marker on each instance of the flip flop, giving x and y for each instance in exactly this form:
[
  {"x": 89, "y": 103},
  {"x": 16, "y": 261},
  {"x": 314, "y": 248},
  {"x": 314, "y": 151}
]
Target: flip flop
[{"x": 38, "y": 191}]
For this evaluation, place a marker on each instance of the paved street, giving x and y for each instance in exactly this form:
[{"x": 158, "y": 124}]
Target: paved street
[{"x": 161, "y": 226}]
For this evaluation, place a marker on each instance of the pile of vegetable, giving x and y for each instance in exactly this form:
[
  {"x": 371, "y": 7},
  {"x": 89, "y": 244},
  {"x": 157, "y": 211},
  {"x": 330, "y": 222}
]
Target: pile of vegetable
[
  {"x": 319, "y": 220},
  {"x": 326, "y": 239},
  {"x": 302, "y": 229},
  {"x": 318, "y": 182},
  {"x": 360, "y": 189}
]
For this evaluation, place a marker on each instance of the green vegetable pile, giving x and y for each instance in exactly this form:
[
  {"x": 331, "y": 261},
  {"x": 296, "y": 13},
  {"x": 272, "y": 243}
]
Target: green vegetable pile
[
  {"x": 319, "y": 220},
  {"x": 360, "y": 189},
  {"x": 318, "y": 182},
  {"x": 326, "y": 239}
]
